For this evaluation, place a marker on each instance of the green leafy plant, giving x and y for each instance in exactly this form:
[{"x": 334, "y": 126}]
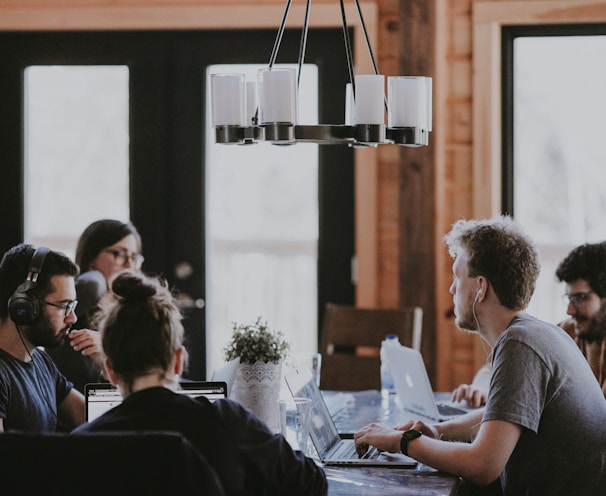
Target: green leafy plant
[{"x": 256, "y": 343}]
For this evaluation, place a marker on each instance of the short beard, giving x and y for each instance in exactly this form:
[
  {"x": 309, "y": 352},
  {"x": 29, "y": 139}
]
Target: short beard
[
  {"x": 468, "y": 321},
  {"x": 42, "y": 333},
  {"x": 596, "y": 325}
]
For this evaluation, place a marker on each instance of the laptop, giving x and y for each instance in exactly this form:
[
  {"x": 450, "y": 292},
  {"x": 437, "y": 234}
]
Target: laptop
[
  {"x": 413, "y": 389},
  {"x": 100, "y": 397},
  {"x": 227, "y": 374},
  {"x": 331, "y": 448}
]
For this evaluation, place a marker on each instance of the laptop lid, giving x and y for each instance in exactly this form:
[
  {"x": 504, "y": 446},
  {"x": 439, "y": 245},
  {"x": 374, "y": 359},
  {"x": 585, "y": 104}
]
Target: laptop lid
[
  {"x": 323, "y": 431},
  {"x": 227, "y": 374},
  {"x": 100, "y": 397},
  {"x": 411, "y": 382}
]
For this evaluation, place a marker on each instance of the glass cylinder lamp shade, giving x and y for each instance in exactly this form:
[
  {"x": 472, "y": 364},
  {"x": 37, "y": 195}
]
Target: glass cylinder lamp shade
[
  {"x": 228, "y": 97},
  {"x": 409, "y": 100},
  {"x": 251, "y": 103},
  {"x": 370, "y": 99},
  {"x": 278, "y": 104},
  {"x": 278, "y": 96},
  {"x": 350, "y": 106}
]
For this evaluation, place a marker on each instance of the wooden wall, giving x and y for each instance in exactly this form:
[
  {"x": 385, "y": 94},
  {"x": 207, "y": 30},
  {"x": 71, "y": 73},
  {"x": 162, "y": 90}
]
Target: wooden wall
[{"x": 406, "y": 198}]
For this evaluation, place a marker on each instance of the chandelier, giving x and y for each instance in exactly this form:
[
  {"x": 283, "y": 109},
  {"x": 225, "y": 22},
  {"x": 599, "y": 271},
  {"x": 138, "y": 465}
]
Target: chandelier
[{"x": 247, "y": 112}]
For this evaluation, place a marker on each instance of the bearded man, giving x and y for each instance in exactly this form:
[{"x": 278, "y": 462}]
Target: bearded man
[{"x": 584, "y": 272}]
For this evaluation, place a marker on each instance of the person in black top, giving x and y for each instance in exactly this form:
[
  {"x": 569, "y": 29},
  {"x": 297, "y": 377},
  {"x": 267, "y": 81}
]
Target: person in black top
[{"x": 142, "y": 338}]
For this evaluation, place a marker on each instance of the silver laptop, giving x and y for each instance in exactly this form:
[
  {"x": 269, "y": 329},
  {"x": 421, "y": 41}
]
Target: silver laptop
[
  {"x": 227, "y": 374},
  {"x": 101, "y": 397},
  {"x": 413, "y": 389},
  {"x": 332, "y": 450}
]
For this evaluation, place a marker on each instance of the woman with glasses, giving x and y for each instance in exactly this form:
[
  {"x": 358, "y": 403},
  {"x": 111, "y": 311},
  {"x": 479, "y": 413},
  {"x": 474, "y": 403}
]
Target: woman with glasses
[{"x": 105, "y": 248}]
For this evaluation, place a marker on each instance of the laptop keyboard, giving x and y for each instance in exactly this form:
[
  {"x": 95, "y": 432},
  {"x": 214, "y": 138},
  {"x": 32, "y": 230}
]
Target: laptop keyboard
[
  {"x": 447, "y": 410},
  {"x": 347, "y": 451}
]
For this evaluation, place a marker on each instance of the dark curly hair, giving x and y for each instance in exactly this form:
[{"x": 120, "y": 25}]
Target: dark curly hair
[{"x": 587, "y": 262}]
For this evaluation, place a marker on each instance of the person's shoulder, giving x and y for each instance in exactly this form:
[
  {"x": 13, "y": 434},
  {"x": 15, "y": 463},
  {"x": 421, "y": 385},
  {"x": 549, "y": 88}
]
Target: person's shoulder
[
  {"x": 90, "y": 288},
  {"x": 525, "y": 324},
  {"x": 41, "y": 355}
]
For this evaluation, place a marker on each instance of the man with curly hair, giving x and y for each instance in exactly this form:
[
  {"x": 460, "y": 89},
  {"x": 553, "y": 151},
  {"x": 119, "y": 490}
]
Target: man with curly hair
[
  {"x": 543, "y": 430},
  {"x": 584, "y": 272}
]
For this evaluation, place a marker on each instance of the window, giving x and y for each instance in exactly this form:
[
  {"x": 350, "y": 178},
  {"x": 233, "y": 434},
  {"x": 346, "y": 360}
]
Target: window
[
  {"x": 557, "y": 175},
  {"x": 262, "y": 231},
  {"x": 76, "y": 151}
]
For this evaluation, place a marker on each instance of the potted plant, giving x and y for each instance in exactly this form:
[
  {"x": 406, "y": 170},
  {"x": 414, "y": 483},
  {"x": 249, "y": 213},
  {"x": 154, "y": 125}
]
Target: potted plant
[{"x": 258, "y": 379}]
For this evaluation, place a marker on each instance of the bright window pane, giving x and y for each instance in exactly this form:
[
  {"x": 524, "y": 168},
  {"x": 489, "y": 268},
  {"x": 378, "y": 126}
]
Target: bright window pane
[
  {"x": 559, "y": 153},
  {"x": 76, "y": 151},
  {"x": 262, "y": 232}
]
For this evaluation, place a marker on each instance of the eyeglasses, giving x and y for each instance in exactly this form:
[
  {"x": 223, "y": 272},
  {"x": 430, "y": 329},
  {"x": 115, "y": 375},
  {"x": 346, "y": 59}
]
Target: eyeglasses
[
  {"x": 577, "y": 299},
  {"x": 69, "y": 307},
  {"x": 122, "y": 256}
]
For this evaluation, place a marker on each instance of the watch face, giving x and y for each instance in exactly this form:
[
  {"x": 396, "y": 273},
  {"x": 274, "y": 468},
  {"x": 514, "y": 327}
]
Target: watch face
[{"x": 412, "y": 434}]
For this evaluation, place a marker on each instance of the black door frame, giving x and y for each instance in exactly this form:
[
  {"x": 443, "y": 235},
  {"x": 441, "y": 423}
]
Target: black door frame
[{"x": 167, "y": 86}]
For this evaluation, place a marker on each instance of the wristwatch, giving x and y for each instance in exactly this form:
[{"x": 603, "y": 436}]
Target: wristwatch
[{"x": 408, "y": 436}]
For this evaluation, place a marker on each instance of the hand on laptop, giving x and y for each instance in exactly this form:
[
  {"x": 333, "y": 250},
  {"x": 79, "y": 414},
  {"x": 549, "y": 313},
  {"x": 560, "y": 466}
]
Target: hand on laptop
[
  {"x": 475, "y": 393},
  {"x": 381, "y": 437},
  {"x": 475, "y": 396},
  {"x": 418, "y": 425}
]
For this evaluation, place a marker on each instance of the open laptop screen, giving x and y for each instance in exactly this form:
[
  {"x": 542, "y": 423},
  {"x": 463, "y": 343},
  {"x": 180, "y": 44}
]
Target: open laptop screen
[{"x": 101, "y": 397}]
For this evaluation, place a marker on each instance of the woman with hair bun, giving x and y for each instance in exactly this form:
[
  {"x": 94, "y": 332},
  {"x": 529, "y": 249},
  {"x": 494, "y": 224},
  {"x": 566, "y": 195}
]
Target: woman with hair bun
[{"x": 142, "y": 337}]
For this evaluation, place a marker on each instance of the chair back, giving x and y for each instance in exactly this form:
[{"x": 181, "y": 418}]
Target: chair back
[
  {"x": 351, "y": 343},
  {"x": 103, "y": 463}
]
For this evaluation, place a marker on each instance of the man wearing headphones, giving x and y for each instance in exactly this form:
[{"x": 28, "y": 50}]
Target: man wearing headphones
[{"x": 37, "y": 303}]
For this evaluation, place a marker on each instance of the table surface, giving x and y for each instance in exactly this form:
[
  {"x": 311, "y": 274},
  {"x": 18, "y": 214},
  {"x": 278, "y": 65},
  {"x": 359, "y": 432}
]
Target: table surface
[{"x": 352, "y": 410}]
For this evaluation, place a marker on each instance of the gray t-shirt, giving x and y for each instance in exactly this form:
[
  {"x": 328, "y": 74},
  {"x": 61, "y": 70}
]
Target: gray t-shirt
[{"x": 542, "y": 382}]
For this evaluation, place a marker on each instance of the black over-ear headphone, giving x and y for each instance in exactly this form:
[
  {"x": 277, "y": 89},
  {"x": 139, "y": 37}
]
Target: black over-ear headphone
[{"x": 24, "y": 308}]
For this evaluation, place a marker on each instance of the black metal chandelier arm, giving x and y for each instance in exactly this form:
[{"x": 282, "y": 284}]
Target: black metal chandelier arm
[
  {"x": 274, "y": 52},
  {"x": 303, "y": 42},
  {"x": 348, "y": 49}
]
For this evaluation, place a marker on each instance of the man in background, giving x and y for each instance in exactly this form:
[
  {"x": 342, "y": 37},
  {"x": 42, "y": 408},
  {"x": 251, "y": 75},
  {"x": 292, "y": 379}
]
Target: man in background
[{"x": 584, "y": 272}]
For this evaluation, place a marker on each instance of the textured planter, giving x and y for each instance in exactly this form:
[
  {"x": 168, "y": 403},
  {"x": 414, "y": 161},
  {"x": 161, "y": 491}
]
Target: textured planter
[{"x": 257, "y": 387}]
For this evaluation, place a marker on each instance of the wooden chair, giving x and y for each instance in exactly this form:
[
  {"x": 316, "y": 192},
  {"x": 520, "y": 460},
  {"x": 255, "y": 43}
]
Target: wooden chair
[{"x": 351, "y": 341}]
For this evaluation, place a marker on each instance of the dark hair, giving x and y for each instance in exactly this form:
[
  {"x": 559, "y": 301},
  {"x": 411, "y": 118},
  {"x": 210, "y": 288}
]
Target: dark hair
[
  {"x": 98, "y": 236},
  {"x": 587, "y": 262},
  {"x": 142, "y": 330},
  {"x": 14, "y": 269},
  {"x": 499, "y": 250}
]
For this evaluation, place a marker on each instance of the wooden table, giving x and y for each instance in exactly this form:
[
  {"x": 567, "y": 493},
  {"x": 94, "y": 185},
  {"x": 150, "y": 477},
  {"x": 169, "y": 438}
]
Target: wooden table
[{"x": 374, "y": 481}]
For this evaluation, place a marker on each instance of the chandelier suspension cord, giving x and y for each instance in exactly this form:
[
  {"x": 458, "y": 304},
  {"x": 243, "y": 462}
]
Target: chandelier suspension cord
[
  {"x": 274, "y": 52},
  {"x": 372, "y": 57},
  {"x": 368, "y": 45},
  {"x": 303, "y": 43},
  {"x": 348, "y": 49}
]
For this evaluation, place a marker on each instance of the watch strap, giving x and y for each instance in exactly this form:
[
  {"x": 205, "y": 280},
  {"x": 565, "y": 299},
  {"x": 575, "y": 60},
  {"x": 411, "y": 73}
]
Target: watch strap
[{"x": 408, "y": 436}]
